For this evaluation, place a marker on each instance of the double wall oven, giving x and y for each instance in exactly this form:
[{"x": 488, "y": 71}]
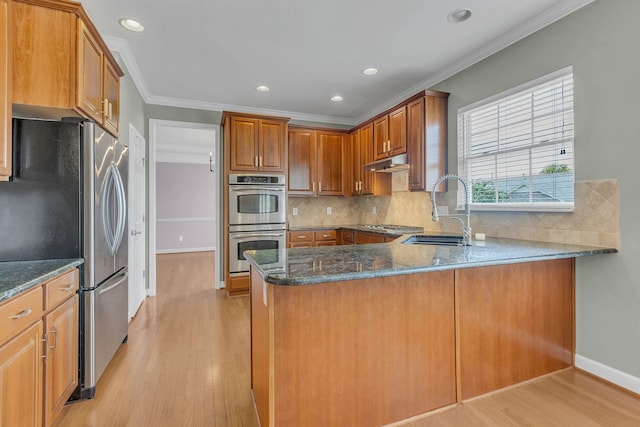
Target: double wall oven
[{"x": 257, "y": 217}]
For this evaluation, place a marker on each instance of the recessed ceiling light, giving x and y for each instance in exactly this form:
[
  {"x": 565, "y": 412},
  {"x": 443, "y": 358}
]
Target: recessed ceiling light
[
  {"x": 459, "y": 15},
  {"x": 132, "y": 25},
  {"x": 336, "y": 98},
  {"x": 262, "y": 88},
  {"x": 370, "y": 71}
]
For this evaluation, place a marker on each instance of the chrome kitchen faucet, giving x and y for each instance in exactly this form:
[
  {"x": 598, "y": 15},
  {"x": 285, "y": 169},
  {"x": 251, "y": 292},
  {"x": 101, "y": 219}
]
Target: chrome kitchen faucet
[{"x": 466, "y": 228}]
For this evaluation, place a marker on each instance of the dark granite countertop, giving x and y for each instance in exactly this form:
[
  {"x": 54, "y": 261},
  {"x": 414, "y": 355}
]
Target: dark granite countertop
[
  {"x": 18, "y": 276},
  {"x": 304, "y": 266}
]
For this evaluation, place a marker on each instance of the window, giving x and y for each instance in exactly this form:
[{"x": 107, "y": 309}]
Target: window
[{"x": 516, "y": 148}]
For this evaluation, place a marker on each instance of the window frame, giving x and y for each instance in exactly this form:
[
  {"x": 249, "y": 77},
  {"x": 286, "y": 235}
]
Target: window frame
[{"x": 463, "y": 147}]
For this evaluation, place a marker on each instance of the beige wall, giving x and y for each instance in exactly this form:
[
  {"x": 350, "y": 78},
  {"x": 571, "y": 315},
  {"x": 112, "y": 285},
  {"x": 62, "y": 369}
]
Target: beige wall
[{"x": 601, "y": 42}]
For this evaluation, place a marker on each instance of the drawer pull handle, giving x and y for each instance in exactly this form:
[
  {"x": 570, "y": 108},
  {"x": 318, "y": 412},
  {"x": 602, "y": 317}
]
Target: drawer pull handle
[
  {"x": 67, "y": 288},
  {"x": 325, "y": 235},
  {"x": 302, "y": 237},
  {"x": 24, "y": 313}
]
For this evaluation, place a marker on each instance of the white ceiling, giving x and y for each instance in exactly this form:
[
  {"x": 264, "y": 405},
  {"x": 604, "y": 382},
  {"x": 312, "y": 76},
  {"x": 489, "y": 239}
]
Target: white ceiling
[{"x": 210, "y": 54}]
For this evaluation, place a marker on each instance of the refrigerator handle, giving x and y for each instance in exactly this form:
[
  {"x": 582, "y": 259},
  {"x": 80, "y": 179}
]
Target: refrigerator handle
[
  {"x": 107, "y": 222},
  {"x": 115, "y": 285},
  {"x": 122, "y": 210}
]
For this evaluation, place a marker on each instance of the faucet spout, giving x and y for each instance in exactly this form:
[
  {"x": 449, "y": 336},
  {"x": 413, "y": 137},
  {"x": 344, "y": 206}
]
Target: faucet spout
[{"x": 466, "y": 227}]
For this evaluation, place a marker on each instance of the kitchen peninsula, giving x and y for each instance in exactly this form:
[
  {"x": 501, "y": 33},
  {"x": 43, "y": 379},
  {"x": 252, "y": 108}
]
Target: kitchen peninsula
[{"x": 374, "y": 334}]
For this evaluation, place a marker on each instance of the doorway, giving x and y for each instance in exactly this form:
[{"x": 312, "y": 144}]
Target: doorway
[{"x": 183, "y": 189}]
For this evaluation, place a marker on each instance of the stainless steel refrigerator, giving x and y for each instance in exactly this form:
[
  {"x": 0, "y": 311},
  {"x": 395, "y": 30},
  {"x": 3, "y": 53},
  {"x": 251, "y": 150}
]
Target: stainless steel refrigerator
[{"x": 67, "y": 199}]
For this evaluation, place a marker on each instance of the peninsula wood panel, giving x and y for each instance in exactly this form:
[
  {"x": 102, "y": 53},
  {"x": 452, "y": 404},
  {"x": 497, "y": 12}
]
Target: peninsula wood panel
[
  {"x": 261, "y": 346},
  {"x": 516, "y": 322},
  {"x": 357, "y": 343}
]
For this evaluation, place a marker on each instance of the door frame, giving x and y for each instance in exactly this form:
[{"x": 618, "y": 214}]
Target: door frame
[
  {"x": 133, "y": 135},
  {"x": 154, "y": 125}
]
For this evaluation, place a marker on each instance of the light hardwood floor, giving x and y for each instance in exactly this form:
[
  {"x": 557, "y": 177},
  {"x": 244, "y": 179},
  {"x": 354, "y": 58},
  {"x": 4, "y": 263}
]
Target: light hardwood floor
[{"x": 187, "y": 364}]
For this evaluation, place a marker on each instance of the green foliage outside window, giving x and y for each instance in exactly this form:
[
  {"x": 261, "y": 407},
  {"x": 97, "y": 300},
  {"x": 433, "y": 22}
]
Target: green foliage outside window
[{"x": 485, "y": 192}]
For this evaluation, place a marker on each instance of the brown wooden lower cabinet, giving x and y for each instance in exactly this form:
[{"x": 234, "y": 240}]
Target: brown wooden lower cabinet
[
  {"x": 61, "y": 363},
  {"x": 312, "y": 238},
  {"x": 238, "y": 285},
  {"x": 375, "y": 351},
  {"x": 22, "y": 375},
  {"x": 39, "y": 358}
]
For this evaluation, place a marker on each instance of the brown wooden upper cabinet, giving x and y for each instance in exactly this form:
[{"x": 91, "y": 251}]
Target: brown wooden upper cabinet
[
  {"x": 316, "y": 162},
  {"x": 427, "y": 140},
  {"x": 362, "y": 153},
  {"x": 256, "y": 143},
  {"x": 61, "y": 65},
  {"x": 390, "y": 134},
  {"x": 5, "y": 92}
]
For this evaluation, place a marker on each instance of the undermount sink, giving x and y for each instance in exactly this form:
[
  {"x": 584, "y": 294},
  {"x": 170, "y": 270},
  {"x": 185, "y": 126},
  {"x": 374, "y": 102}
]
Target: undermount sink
[{"x": 435, "y": 239}]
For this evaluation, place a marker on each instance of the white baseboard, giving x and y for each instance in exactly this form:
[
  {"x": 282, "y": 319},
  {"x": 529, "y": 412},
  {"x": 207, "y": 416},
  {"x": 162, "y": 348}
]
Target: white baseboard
[
  {"x": 182, "y": 250},
  {"x": 608, "y": 373}
]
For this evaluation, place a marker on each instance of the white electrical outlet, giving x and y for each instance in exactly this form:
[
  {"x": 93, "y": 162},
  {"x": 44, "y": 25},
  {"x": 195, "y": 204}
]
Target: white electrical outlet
[
  {"x": 374, "y": 210},
  {"x": 295, "y": 211},
  {"x": 329, "y": 210},
  {"x": 180, "y": 238}
]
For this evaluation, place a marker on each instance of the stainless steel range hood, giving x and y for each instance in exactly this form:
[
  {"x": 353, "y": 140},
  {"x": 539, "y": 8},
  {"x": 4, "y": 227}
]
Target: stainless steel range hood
[{"x": 391, "y": 164}]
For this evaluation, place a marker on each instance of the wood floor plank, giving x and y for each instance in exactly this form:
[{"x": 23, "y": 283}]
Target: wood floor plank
[{"x": 187, "y": 364}]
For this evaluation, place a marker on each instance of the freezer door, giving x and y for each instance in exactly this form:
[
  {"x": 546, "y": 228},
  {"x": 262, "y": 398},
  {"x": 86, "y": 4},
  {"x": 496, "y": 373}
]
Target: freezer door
[{"x": 105, "y": 324}]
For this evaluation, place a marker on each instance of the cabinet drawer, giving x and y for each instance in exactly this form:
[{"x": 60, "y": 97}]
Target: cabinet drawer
[
  {"x": 325, "y": 235},
  {"x": 300, "y": 236},
  {"x": 60, "y": 288},
  {"x": 19, "y": 312},
  {"x": 347, "y": 237}
]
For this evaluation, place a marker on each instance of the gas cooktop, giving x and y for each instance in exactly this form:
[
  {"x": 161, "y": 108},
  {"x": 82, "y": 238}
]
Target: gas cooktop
[{"x": 392, "y": 228}]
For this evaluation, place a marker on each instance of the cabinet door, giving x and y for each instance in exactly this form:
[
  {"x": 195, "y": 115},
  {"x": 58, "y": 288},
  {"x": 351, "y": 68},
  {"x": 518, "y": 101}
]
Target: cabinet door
[
  {"x": 61, "y": 367},
  {"x": 5, "y": 93},
  {"x": 272, "y": 151},
  {"x": 356, "y": 167},
  {"x": 366, "y": 156},
  {"x": 380, "y": 138},
  {"x": 329, "y": 163},
  {"x": 436, "y": 112},
  {"x": 90, "y": 78},
  {"x": 44, "y": 55},
  {"x": 244, "y": 144},
  {"x": 21, "y": 374},
  {"x": 302, "y": 163},
  {"x": 112, "y": 97},
  {"x": 416, "y": 145},
  {"x": 364, "y": 238},
  {"x": 398, "y": 131}
]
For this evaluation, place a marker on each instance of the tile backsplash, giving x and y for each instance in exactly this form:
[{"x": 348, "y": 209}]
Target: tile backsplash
[{"x": 595, "y": 220}]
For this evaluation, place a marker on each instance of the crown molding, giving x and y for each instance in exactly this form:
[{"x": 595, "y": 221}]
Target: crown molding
[
  {"x": 213, "y": 106},
  {"x": 542, "y": 20},
  {"x": 121, "y": 46}
]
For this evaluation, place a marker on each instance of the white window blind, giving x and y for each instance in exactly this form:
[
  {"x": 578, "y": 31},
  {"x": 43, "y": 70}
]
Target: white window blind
[{"x": 516, "y": 148}]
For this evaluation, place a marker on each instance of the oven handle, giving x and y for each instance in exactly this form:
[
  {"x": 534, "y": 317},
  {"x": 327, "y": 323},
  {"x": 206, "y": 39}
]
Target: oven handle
[
  {"x": 252, "y": 236},
  {"x": 247, "y": 189}
]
